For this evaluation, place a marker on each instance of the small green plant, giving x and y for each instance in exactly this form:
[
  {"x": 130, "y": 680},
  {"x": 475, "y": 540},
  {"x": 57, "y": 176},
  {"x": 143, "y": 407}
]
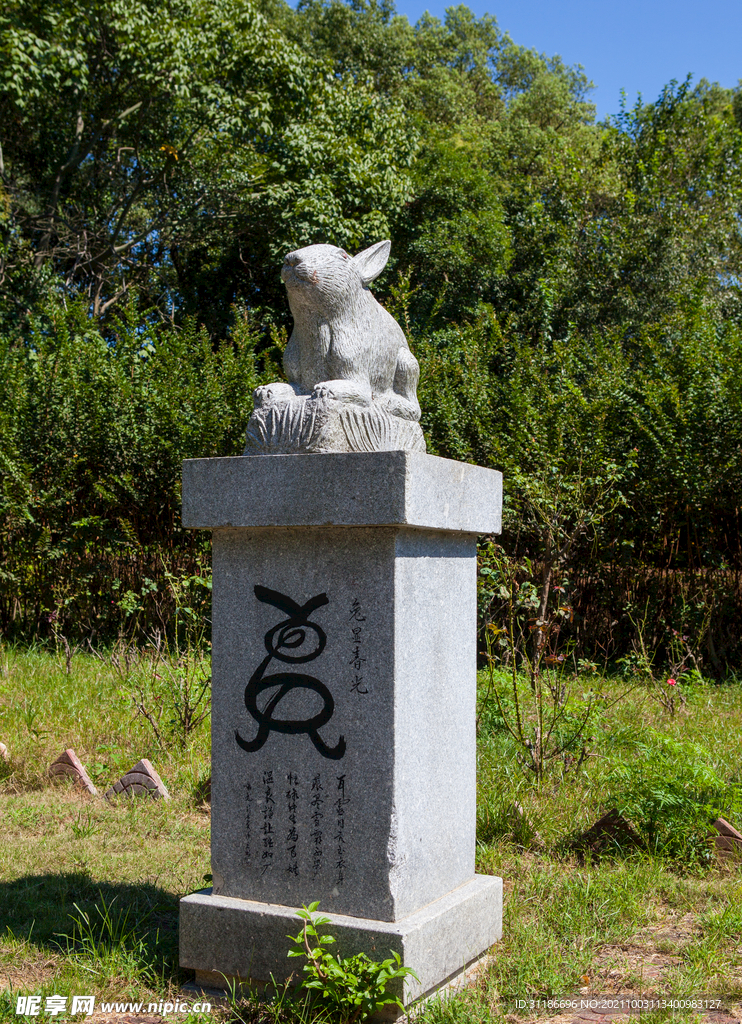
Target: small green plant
[
  {"x": 682, "y": 677},
  {"x": 176, "y": 698},
  {"x": 30, "y": 714},
  {"x": 84, "y": 827},
  {"x": 275, "y": 1005},
  {"x": 351, "y": 988}
]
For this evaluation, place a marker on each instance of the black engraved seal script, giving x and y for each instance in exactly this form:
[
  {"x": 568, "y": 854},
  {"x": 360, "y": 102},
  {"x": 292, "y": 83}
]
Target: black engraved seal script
[{"x": 288, "y": 635}]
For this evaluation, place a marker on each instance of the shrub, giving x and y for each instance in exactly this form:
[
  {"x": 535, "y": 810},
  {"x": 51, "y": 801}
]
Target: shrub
[{"x": 671, "y": 792}]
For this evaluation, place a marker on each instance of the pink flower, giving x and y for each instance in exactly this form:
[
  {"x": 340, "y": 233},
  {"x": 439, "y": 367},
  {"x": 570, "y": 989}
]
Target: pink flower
[{"x": 672, "y": 682}]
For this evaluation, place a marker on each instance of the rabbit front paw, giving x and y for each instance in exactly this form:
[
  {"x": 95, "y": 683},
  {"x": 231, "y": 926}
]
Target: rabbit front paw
[
  {"x": 269, "y": 394},
  {"x": 343, "y": 391}
]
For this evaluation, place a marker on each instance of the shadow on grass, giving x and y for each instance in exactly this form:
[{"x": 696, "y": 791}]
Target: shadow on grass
[{"x": 44, "y": 909}]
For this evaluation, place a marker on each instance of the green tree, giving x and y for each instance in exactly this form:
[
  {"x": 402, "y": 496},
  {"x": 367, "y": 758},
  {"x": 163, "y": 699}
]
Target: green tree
[
  {"x": 136, "y": 136},
  {"x": 480, "y": 105},
  {"x": 623, "y": 224}
]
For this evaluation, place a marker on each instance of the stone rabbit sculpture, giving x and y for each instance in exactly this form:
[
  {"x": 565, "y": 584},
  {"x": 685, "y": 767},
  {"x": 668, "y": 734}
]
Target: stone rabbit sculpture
[{"x": 352, "y": 378}]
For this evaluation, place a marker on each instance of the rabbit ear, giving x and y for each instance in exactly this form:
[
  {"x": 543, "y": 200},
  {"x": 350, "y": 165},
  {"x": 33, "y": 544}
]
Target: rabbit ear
[{"x": 372, "y": 261}]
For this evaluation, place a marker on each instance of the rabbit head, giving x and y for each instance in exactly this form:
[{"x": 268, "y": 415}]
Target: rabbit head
[{"x": 327, "y": 279}]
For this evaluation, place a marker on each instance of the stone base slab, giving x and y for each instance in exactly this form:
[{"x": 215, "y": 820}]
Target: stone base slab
[
  {"x": 208, "y": 987},
  {"x": 226, "y": 939}
]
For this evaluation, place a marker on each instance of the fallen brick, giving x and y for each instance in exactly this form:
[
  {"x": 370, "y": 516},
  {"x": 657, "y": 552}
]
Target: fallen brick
[
  {"x": 68, "y": 764},
  {"x": 729, "y": 840},
  {"x": 141, "y": 780},
  {"x": 609, "y": 833}
]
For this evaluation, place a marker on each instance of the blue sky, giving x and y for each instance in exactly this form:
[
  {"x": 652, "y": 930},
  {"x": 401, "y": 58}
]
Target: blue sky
[{"x": 636, "y": 45}]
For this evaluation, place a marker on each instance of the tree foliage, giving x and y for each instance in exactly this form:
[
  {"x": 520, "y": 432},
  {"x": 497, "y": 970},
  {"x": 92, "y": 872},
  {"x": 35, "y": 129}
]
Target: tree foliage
[{"x": 141, "y": 139}]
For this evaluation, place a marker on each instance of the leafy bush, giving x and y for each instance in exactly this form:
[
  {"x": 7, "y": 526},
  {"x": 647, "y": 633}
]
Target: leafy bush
[
  {"x": 94, "y": 426},
  {"x": 671, "y": 792}
]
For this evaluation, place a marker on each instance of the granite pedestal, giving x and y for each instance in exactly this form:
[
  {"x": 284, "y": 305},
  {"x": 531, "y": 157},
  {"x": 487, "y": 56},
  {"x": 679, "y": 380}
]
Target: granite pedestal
[{"x": 343, "y": 717}]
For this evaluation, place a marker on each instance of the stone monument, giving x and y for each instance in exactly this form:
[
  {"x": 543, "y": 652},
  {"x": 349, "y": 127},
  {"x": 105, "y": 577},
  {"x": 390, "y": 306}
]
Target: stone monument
[
  {"x": 353, "y": 380},
  {"x": 344, "y": 658}
]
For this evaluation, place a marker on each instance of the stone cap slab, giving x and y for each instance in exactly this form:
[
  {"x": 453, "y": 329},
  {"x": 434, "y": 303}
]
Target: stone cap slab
[{"x": 342, "y": 489}]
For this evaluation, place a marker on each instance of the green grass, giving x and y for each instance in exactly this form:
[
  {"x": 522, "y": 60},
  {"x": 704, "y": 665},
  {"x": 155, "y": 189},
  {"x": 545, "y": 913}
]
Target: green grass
[{"x": 89, "y": 891}]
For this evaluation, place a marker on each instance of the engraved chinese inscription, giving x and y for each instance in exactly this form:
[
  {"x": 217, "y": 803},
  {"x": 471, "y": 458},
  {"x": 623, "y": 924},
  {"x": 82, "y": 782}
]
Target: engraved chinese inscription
[
  {"x": 291, "y": 634},
  {"x": 248, "y": 789},
  {"x": 339, "y": 836},
  {"x": 298, "y": 825},
  {"x": 292, "y": 835},
  {"x": 269, "y": 808},
  {"x": 357, "y": 639},
  {"x": 317, "y": 816}
]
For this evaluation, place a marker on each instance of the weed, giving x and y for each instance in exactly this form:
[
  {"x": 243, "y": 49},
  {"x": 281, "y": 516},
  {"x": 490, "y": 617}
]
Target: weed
[
  {"x": 84, "y": 826},
  {"x": 170, "y": 679},
  {"x": 107, "y": 944},
  {"x": 726, "y": 923},
  {"x": 351, "y": 988},
  {"x": 672, "y": 687},
  {"x": 278, "y": 1005},
  {"x": 30, "y": 715},
  {"x": 550, "y": 718},
  {"x": 671, "y": 792}
]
